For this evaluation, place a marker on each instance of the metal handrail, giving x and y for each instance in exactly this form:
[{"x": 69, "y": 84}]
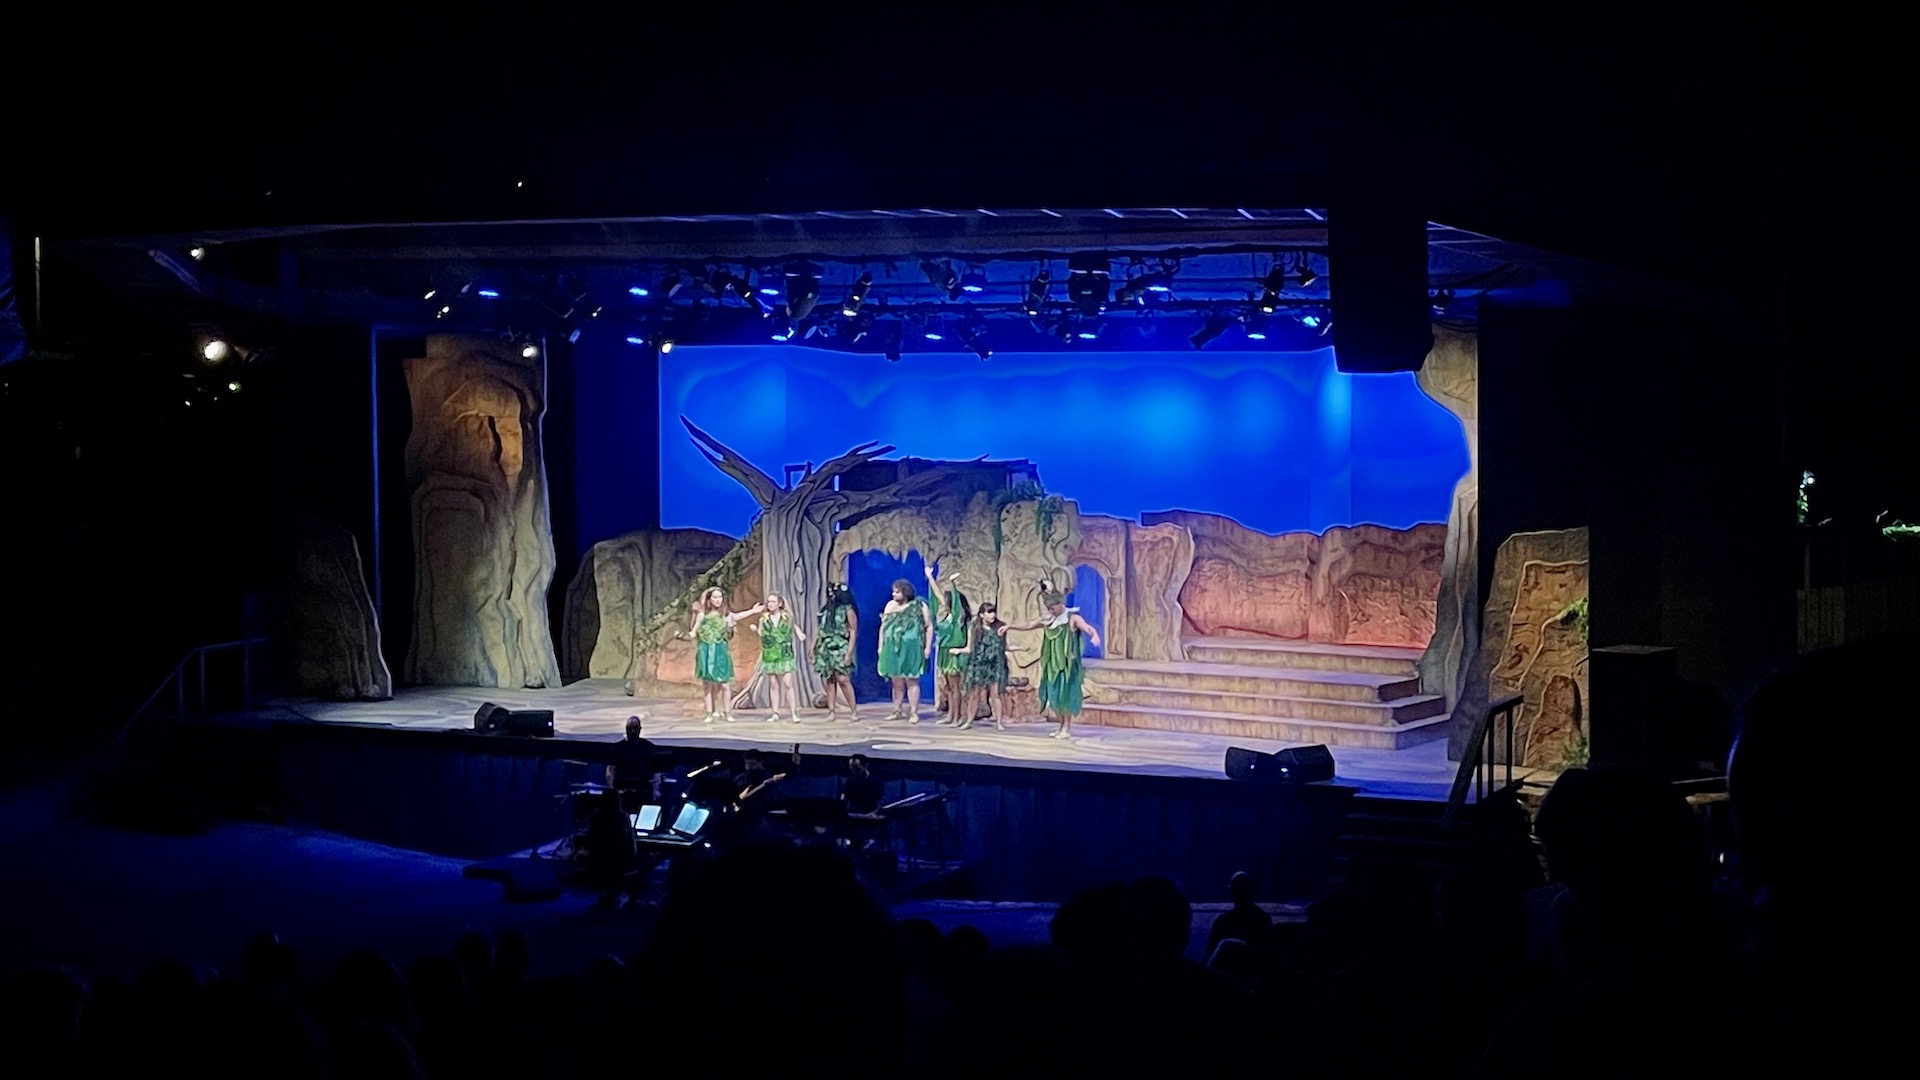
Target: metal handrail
[
  {"x": 176, "y": 679},
  {"x": 1478, "y": 752}
]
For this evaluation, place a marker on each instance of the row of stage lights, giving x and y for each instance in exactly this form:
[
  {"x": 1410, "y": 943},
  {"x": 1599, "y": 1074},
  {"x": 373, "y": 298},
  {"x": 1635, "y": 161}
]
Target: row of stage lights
[{"x": 789, "y": 304}]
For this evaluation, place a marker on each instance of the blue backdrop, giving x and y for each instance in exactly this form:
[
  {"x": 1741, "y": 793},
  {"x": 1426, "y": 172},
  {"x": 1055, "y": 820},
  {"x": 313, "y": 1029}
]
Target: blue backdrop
[{"x": 1280, "y": 442}]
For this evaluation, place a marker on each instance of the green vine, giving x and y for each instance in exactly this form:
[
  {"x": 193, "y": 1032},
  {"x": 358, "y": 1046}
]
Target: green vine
[
  {"x": 724, "y": 574},
  {"x": 1577, "y": 753},
  {"x": 1574, "y": 615},
  {"x": 1021, "y": 492},
  {"x": 1044, "y": 511}
]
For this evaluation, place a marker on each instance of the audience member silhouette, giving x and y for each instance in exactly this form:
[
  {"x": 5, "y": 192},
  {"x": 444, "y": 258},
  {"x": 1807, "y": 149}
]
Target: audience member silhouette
[{"x": 1246, "y": 920}]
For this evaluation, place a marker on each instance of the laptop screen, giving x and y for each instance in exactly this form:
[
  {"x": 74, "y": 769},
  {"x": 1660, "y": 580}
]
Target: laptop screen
[
  {"x": 647, "y": 820},
  {"x": 690, "y": 819}
]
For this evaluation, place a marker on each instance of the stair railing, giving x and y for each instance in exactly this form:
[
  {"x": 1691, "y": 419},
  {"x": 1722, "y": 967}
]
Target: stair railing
[
  {"x": 192, "y": 668},
  {"x": 1479, "y": 752}
]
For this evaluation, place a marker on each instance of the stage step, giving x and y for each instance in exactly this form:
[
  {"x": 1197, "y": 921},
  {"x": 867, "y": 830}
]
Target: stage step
[
  {"x": 1314, "y": 656},
  {"x": 1260, "y": 706},
  {"x": 1388, "y": 736},
  {"x": 1258, "y": 679}
]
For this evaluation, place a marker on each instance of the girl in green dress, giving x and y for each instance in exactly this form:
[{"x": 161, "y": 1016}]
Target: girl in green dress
[
  {"x": 711, "y": 629},
  {"x": 1061, "y": 645},
  {"x": 833, "y": 648},
  {"x": 906, "y": 644},
  {"x": 954, "y": 613},
  {"x": 777, "y": 635},
  {"x": 985, "y": 655}
]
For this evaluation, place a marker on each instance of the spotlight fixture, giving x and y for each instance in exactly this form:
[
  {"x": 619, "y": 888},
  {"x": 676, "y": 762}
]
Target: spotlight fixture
[
  {"x": 726, "y": 281},
  {"x": 215, "y": 350},
  {"x": 1213, "y": 328},
  {"x": 975, "y": 338},
  {"x": 941, "y": 276},
  {"x": 1088, "y": 282},
  {"x": 1136, "y": 289},
  {"x": 1036, "y": 293},
  {"x": 671, "y": 284},
  {"x": 665, "y": 345},
  {"x": 636, "y": 340},
  {"x": 782, "y": 327},
  {"x": 934, "y": 331},
  {"x": 529, "y": 351},
  {"x": 1270, "y": 288},
  {"x": 431, "y": 293},
  {"x": 487, "y": 294},
  {"x": 638, "y": 290},
  {"x": 803, "y": 290},
  {"x": 1441, "y": 298},
  {"x": 1303, "y": 271},
  {"x": 196, "y": 253},
  {"x": 1257, "y": 328},
  {"x": 973, "y": 282},
  {"x": 857, "y": 295}
]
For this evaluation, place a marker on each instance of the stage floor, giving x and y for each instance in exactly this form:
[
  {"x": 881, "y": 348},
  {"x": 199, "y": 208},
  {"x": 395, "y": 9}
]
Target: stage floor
[{"x": 597, "y": 709}]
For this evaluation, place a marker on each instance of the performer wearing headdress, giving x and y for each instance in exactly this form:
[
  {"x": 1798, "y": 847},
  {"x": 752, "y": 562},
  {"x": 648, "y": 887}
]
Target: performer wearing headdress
[
  {"x": 1061, "y": 646},
  {"x": 949, "y": 635},
  {"x": 906, "y": 644},
  {"x": 833, "y": 647}
]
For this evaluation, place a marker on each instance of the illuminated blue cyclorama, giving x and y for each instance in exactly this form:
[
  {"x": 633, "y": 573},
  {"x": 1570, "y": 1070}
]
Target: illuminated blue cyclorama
[{"x": 1280, "y": 442}]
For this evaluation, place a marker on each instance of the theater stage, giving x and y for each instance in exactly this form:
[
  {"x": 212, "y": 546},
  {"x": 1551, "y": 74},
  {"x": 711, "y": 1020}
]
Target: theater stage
[{"x": 596, "y": 710}]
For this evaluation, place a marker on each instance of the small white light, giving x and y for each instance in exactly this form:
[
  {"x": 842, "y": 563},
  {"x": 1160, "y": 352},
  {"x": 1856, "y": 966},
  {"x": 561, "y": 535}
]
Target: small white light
[
  {"x": 430, "y": 294},
  {"x": 197, "y": 253},
  {"x": 214, "y": 350},
  {"x": 529, "y": 350},
  {"x": 233, "y": 387}
]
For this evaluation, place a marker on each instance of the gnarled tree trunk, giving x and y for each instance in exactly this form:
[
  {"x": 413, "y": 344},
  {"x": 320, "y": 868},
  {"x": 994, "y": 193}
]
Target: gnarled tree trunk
[{"x": 796, "y": 536}]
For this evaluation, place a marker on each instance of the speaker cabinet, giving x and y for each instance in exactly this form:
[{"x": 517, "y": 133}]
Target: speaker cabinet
[
  {"x": 1377, "y": 280},
  {"x": 1294, "y": 765}
]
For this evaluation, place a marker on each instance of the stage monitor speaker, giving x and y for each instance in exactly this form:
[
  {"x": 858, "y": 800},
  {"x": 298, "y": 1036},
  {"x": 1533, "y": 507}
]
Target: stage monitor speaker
[
  {"x": 1304, "y": 764},
  {"x": 1294, "y": 765},
  {"x": 1377, "y": 279},
  {"x": 1631, "y": 721},
  {"x": 529, "y": 723},
  {"x": 489, "y": 717}
]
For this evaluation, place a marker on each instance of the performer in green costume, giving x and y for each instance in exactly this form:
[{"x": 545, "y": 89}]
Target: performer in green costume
[
  {"x": 1062, "y": 641},
  {"x": 711, "y": 629},
  {"x": 777, "y": 635},
  {"x": 833, "y": 648},
  {"x": 949, "y": 634},
  {"x": 906, "y": 644},
  {"x": 986, "y": 659}
]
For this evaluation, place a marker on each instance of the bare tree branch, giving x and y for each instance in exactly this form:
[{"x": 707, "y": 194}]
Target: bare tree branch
[
  {"x": 919, "y": 484},
  {"x": 757, "y": 483},
  {"x": 820, "y": 477}
]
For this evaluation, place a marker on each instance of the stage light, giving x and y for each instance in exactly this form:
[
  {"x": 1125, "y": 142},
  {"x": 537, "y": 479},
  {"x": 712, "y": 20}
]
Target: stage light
[
  {"x": 857, "y": 295},
  {"x": 638, "y": 290},
  {"x": 1257, "y": 328},
  {"x": 1213, "y": 328},
  {"x": 529, "y": 351},
  {"x": 1441, "y": 298},
  {"x": 975, "y": 338},
  {"x": 1310, "y": 321},
  {"x": 934, "y": 332},
  {"x": 1136, "y": 289},
  {"x": 573, "y": 336},
  {"x": 942, "y": 277},
  {"x": 782, "y": 328},
  {"x": 215, "y": 351},
  {"x": 431, "y": 293},
  {"x": 1037, "y": 293},
  {"x": 443, "y": 312},
  {"x": 666, "y": 346},
  {"x": 635, "y": 339},
  {"x": 1270, "y": 288},
  {"x": 233, "y": 387},
  {"x": 196, "y": 253},
  {"x": 973, "y": 282},
  {"x": 490, "y": 294},
  {"x": 673, "y": 283},
  {"x": 1088, "y": 283},
  {"x": 803, "y": 290},
  {"x": 1303, "y": 272}
]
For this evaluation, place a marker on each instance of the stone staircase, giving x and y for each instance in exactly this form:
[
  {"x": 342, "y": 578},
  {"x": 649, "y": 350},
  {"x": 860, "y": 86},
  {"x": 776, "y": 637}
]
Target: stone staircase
[{"x": 1288, "y": 691}]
